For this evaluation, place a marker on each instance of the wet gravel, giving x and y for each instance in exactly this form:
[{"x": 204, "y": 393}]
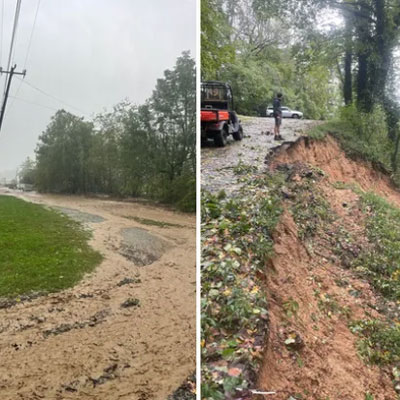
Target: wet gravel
[
  {"x": 141, "y": 247},
  {"x": 220, "y": 167},
  {"x": 79, "y": 215}
]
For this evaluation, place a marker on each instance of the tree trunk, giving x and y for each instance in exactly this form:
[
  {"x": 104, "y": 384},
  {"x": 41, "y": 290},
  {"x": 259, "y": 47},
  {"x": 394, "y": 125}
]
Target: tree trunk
[
  {"x": 364, "y": 100},
  {"x": 348, "y": 60},
  {"x": 348, "y": 82}
]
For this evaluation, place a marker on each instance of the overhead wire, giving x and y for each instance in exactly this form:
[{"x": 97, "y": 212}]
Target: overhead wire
[
  {"x": 2, "y": 29},
  {"x": 32, "y": 102},
  {"x": 15, "y": 96},
  {"x": 11, "y": 52},
  {"x": 31, "y": 35},
  {"x": 50, "y": 95},
  {"x": 27, "y": 52},
  {"x": 13, "y": 36}
]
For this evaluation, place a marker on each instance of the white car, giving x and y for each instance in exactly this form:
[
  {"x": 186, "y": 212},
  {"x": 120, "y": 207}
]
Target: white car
[{"x": 286, "y": 113}]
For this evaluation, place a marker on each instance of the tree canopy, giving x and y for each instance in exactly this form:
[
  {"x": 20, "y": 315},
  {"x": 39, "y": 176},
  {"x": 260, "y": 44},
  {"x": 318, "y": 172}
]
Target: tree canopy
[
  {"x": 279, "y": 45},
  {"x": 143, "y": 150}
]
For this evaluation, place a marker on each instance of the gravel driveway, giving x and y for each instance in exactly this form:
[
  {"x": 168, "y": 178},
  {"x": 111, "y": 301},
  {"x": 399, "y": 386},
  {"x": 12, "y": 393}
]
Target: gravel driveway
[{"x": 220, "y": 166}]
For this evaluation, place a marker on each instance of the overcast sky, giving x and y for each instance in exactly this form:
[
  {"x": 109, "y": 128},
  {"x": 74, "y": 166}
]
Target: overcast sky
[{"x": 89, "y": 53}]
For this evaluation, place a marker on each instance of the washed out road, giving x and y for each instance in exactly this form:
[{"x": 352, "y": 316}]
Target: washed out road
[
  {"x": 218, "y": 165},
  {"x": 127, "y": 330}
]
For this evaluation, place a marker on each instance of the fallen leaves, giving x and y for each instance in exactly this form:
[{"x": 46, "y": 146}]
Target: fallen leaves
[{"x": 236, "y": 243}]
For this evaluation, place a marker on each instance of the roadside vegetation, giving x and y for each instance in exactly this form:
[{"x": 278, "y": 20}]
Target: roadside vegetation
[
  {"x": 145, "y": 151},
  {"x": 380, "y": 264},
  {"x": 236, "y": 243},
  {"x": 363, "y": 136},
  {"x": 342, "y": 70},
  {"x": 40, "y": 250}
]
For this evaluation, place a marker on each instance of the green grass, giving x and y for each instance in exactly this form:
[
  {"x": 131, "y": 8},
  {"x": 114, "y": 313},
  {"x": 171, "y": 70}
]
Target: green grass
[
  {"x": 381, "y": 262},
  {"x": 40, "y": 249},
  {"x": 380, "y": 342},
  {"x": 356, "y": 146}
]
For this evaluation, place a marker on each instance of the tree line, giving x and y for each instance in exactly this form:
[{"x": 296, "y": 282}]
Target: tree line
[
  {"x": 145, "y": 151},
  {"x": 265, "y": 46}
]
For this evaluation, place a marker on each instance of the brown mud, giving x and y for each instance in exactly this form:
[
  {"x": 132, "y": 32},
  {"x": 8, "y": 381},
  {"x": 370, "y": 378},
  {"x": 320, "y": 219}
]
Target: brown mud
[
  {"x": 323, "y": 362},
  {"x": 125, "y": 331}
]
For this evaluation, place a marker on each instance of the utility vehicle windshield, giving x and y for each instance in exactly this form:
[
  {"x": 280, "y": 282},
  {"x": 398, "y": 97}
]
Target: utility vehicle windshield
[{"x": 213, "y": 93}]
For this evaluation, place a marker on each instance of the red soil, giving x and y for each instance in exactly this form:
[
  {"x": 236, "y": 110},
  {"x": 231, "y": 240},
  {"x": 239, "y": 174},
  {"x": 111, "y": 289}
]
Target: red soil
[{"x": 328, "y": 365}]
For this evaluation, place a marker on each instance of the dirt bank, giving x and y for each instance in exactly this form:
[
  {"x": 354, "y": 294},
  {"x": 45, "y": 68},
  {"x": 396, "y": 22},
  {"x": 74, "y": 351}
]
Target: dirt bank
[
  {"x": 125, "y": 332},
  {"x": 312, "y": 296},
  {"x": 327, "y": 155}
]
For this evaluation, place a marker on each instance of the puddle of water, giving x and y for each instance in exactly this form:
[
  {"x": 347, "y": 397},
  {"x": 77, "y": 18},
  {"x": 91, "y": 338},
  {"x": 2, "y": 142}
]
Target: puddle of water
[
  {"x": 141, "y": 247},
  {"x": 80, "y": 216}
]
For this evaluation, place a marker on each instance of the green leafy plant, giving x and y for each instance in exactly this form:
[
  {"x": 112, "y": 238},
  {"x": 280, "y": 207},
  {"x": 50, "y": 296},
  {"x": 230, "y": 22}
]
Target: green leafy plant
[{"x": 236, "y": 243}]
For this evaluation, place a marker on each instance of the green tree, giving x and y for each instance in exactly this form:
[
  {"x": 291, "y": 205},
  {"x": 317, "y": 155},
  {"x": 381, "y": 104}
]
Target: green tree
[
  {"x": 142, "y": 151},
  {"x": 216, "y": 47},
  {"x": 27, "y": 172},
  {"x": 62, "y": 154}
]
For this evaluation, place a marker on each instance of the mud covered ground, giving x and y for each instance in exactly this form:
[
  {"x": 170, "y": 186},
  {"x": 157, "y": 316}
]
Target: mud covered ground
[
  {"x": 220, "y": 166},
  {"x": 127, "y": 331}
]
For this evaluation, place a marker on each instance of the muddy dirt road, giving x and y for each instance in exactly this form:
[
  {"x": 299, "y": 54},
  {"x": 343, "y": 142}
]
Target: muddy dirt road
[
  {"x": 218, "y": 165},
  {"x": 94, "y": 341}
]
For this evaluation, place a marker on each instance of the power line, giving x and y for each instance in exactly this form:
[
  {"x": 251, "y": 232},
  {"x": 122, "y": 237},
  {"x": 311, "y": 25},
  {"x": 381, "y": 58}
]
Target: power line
[
  {"x": 34, "y": 103},
  {"x": 51, "y": 96},
  {"x": 27, "y": 52},
  {"x": 14, "y": 33},
  {"x": 11, "y": 73},
  {"x": 2, "y": 24},
  {"x": 30, "y": 38}
]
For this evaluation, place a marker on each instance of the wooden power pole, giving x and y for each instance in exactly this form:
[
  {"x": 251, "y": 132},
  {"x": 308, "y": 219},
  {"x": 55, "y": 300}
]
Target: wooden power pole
[{"x": 11, "y": 72}]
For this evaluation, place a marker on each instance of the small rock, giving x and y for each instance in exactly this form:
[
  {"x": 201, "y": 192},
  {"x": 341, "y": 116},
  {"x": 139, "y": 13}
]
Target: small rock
[
  {"x": 127, "y": 281},
  {"x": 131, "y": 303},
  {"x": 110, "y": 369},
  {"x": 294, "y": 342},
  {"x": 85, "y": 295},
  {"x": 286, "y": 193}
]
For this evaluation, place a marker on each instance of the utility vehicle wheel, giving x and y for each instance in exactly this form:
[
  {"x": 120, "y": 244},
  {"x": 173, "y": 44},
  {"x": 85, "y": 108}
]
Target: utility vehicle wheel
[
  {"x": 295, "y": 116},
  {"x": 220, "y": 139},
  {"x": 239, "y": 134}
]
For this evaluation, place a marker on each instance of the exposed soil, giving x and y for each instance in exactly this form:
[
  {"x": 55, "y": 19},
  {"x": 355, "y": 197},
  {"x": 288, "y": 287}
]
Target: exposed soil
[
  {"x": 328, "y": 156},
  {"x": 125, "y": 331},
  {"x": 322, "y": 362}
]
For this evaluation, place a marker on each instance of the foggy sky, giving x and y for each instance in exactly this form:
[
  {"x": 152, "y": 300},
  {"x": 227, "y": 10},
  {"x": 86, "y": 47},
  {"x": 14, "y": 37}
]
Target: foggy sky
[{"x": 91, "y": 54}]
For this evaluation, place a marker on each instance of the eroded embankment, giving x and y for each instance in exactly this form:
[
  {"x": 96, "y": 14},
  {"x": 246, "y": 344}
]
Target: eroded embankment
[
  {"x": 315, "y": 293},
  {"x": 327, "y": 155}
]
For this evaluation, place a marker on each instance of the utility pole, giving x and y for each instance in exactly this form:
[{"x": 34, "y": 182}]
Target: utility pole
[{"x": 11, "y": 72}]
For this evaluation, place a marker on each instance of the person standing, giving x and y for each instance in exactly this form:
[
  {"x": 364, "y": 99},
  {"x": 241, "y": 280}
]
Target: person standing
[{"x": 278, "y": 116}]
